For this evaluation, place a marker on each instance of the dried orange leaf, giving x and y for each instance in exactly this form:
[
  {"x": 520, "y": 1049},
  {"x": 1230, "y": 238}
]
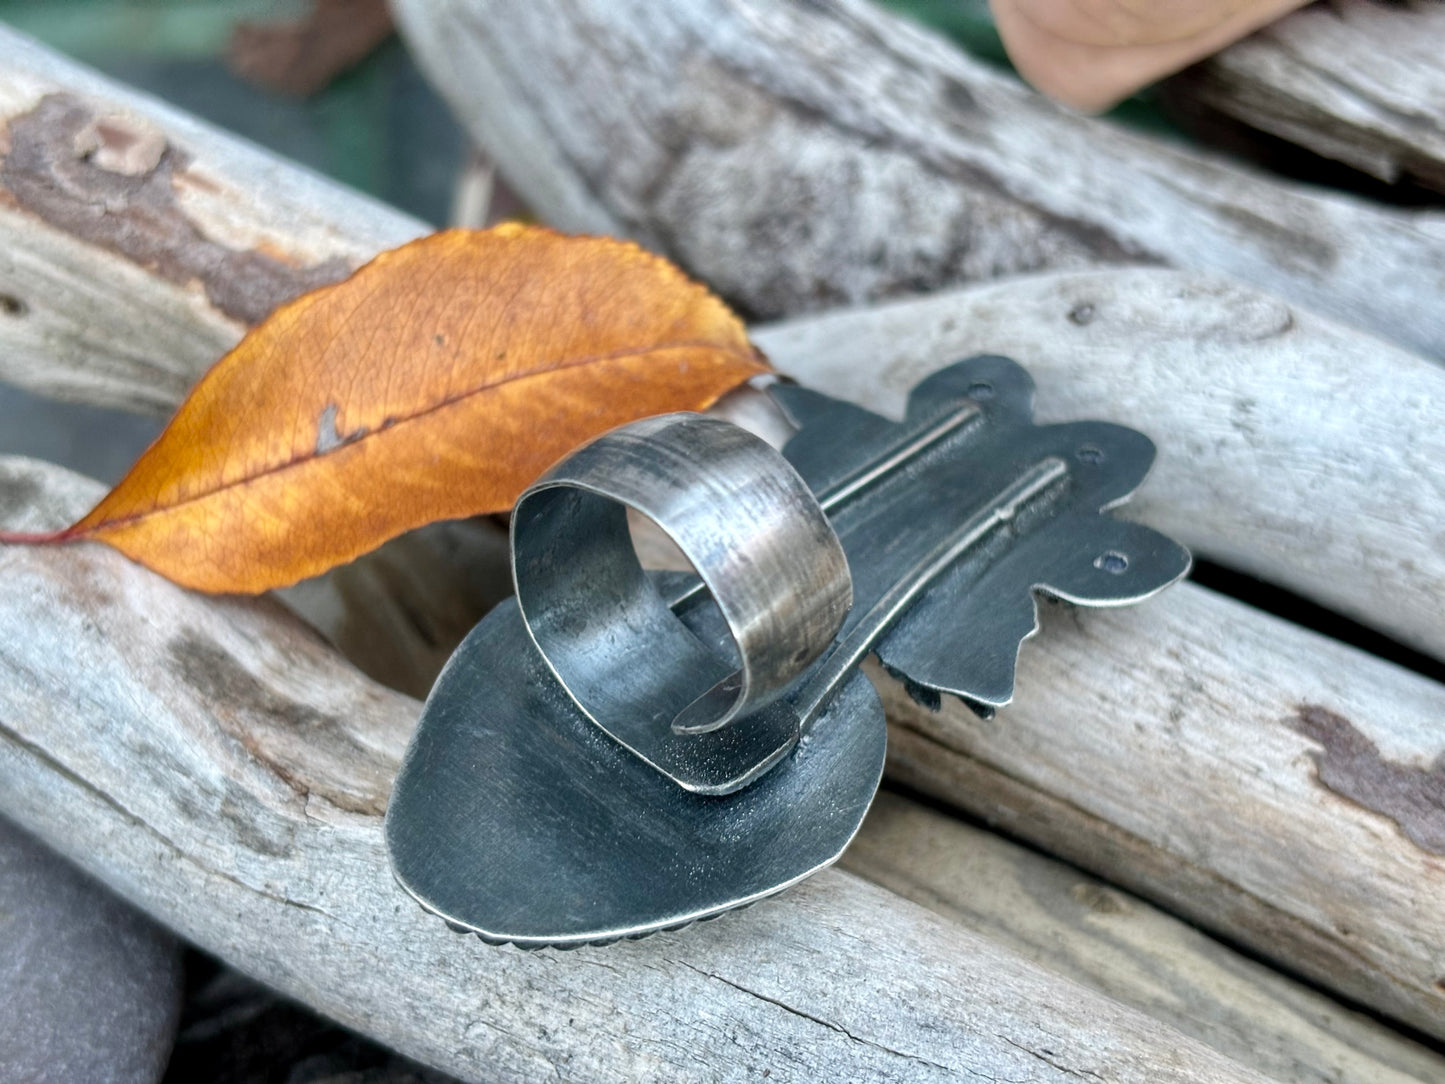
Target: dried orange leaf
[{"x": 436, "y": 382}]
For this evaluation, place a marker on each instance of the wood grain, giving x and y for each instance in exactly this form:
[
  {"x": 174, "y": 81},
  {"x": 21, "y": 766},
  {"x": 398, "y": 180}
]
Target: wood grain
[
  {"x": 1272, "y": 785},
  {"x": 1114, "y": 942}
]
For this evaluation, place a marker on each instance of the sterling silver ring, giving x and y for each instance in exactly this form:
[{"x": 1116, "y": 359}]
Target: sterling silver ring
[{"x": 753, "y": 531}]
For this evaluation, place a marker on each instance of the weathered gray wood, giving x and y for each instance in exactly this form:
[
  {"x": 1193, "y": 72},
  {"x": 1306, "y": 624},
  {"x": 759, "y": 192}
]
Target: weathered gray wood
[
  {"x": 397, "y": 613},
  {"x": 96, "y": 326},
  {"x": 220, "y": 766},
  {"x": 1116, "y": 943},
  {"x": 1273, "y": 786},
  {"x": 1267, "y": 783},
  {"x": 1355, "y": 80},
  {"x": 1289, "y": 447},
  {"x": 137, "y": 243},
  {"x": 136, "y": 246},
  {"x": 798, "y": 155}
]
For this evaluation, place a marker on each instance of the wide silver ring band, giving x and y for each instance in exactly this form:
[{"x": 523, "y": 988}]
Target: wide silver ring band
[{"x": 741, "y": 515}]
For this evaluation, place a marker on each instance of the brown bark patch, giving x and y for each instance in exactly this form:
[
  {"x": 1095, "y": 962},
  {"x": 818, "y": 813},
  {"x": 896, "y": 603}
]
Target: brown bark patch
[
  {"x": 1349, "y": 764},
  {"x": 110, "y": 181}
]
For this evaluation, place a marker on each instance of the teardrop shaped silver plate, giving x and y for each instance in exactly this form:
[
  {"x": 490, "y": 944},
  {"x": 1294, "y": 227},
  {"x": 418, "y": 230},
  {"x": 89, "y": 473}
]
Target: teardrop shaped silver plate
[{"x": 516, "y": 818}]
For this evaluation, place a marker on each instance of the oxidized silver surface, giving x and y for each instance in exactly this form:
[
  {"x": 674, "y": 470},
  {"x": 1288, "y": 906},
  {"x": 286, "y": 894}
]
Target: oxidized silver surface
[
  {"x": 630, "y": 751},
  {"x": 772, "y": 567}
]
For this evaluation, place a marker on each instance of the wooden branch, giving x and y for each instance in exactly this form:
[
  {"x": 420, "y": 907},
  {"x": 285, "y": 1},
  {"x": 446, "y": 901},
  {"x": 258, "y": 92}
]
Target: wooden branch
[
  {"x": 1116, "y": 943},
  {"x": 1354, "y": 80},
  {"x": 1299, "y": 451},
  {"x": 798, "y": 156},
  {"x": 136, "y": 243},
  {"x": 220, "y": 766},
  {"x": 1272, "y": 786},
  {"x": 1267, "y": 783},
  {"x": 98, "y": 327}
]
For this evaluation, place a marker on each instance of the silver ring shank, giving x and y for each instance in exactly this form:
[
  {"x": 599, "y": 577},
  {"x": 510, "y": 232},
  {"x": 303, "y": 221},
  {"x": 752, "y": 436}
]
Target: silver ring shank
[{"x": 751, "y": 528}]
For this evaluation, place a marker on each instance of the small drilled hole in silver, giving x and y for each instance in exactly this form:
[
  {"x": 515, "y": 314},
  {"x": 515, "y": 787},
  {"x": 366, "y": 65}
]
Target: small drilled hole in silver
[{"x": 1112, "y": 562}]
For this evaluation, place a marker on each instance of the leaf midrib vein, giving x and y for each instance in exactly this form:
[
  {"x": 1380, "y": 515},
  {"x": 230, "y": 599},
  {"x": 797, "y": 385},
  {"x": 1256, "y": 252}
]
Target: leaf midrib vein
[{"x": 397, "y": 423}]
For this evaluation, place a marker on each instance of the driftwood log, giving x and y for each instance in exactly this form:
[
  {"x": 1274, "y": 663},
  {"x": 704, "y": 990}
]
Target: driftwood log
[
  {"x": 1354, "y": 80},
  {"x": 236, "y": 792},
  {"x": 219, "y": 764},
  {"x": 798, "y": 156},
  {"x": 1161, "y": 746},
  {"x": 137, "y": 243},
  {"x": 1095, "y": 934}
]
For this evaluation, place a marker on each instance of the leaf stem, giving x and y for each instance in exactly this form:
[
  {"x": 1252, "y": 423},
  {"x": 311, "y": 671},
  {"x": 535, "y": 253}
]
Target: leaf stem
[{"x": 35, "y": 538}]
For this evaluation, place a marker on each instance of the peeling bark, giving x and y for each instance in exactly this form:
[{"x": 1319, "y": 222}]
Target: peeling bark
[
  {"x": 1350, "y": 765},
  {"x": 110, "y": 182},
  {"x": 136, "y": 239}
]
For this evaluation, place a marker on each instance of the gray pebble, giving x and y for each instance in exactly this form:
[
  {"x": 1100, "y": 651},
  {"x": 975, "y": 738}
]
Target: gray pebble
[{"x": 90, "y": 989}]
